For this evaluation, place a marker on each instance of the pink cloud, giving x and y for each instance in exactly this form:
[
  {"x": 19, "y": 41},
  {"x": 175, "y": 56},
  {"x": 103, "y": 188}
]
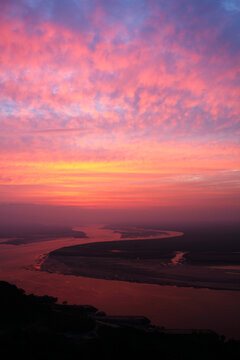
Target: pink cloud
[{"x": 159, "y": 113}]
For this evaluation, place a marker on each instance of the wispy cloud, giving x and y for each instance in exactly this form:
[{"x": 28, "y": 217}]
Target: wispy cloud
[{"x": 117, "y": 86}]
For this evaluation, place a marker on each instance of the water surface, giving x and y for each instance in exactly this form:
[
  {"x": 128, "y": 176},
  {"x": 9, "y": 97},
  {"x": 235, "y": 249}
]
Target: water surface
[{"x": 169, "y": 306}]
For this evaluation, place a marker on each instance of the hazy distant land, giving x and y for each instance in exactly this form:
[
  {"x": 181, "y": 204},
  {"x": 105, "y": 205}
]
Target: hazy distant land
[
  {"x": 29, "y": 234},
  {"x": 204, "y": 258}
]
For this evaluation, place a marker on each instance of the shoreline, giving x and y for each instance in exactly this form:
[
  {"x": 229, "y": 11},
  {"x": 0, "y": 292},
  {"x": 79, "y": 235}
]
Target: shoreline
[
  {"x": 54, "y": 266},
  {"x": 161, "y": 261},
  {"x": 31, "y": 323}
]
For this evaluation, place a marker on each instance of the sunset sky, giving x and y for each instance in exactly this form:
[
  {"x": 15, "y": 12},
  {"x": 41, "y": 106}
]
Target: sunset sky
[{"x": 120, "y": 104}]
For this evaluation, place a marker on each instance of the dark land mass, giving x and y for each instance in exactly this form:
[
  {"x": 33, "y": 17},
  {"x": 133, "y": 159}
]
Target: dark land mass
[
  {"x": 37, "y": 327},
  {"x": 126, "y": 234},
  {"x": 25, "y": 235},
  {"x": 207, "y": 255},
  {"x": 134, "y": 232}
]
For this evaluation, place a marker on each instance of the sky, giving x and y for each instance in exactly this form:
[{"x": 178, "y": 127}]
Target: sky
[{"x": 120, "y": 106}]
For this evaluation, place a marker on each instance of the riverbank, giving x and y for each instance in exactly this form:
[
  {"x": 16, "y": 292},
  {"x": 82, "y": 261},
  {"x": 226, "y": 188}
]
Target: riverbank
[{"x": 196, "y": 259}]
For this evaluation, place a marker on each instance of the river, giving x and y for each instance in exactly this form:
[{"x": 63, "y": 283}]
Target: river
[{"x": 168, "y": 306}]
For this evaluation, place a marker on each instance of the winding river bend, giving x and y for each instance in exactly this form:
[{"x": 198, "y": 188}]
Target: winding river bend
[{"x": 169, "y": 306}]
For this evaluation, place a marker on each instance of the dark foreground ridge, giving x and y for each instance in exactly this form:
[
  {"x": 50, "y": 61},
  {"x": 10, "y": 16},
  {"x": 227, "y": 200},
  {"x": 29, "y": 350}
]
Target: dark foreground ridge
[{"x": 36, "y": 327}]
